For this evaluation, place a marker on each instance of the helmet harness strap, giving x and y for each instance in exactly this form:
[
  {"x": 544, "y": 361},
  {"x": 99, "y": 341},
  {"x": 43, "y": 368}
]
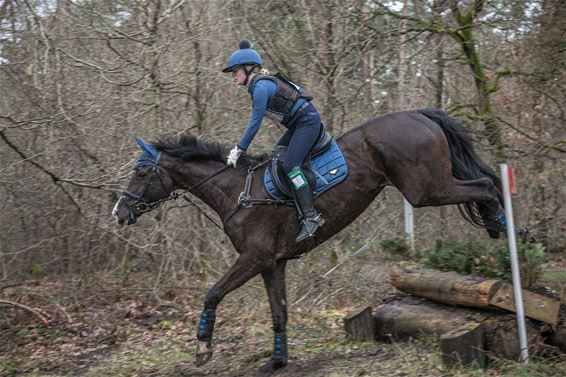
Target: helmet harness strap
[{"x": 248, "y": 72}]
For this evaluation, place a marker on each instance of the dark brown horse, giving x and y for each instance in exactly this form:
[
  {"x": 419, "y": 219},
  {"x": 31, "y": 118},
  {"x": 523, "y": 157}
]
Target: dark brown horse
[{"x": 425, "y": 154}]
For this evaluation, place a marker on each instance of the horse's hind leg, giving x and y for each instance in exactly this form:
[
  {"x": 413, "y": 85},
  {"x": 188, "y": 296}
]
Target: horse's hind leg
[
  {"x": 479, "y": 191},
  {"x": 274, "y": 281}
]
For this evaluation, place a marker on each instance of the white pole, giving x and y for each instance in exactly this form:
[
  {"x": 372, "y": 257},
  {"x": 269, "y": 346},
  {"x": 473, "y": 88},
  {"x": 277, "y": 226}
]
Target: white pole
[
  {"x": 409, "y": 224},
  {"x": 514, "y": 264}
]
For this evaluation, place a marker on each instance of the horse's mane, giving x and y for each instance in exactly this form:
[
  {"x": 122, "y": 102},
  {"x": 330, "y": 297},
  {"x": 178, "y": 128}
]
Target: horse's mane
[{"x": 189, "y": 147}]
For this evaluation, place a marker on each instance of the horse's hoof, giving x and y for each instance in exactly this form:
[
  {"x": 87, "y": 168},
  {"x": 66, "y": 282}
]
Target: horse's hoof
[
  {"x": 494, "y": 234},
  {"x": 203, "y": 354},
  {"x": 272, "y": 366}
]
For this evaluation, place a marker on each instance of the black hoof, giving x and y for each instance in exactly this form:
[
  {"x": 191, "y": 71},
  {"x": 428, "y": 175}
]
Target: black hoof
[
  {"x": 495, "y": 234},
  {"x": 272, "y": 366}
]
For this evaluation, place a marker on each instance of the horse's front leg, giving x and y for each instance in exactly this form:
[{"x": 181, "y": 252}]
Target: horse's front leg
[
  {"x": 275, "y": 285},
  {"x": 243, "y": 270}
]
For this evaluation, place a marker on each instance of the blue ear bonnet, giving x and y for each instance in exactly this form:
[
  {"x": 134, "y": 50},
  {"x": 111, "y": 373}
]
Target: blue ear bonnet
[{"x": 150, "y": 155}]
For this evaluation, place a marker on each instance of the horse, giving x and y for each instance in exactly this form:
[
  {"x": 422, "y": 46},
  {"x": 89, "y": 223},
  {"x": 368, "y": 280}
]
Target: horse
[{"x": 426, "y": 154}]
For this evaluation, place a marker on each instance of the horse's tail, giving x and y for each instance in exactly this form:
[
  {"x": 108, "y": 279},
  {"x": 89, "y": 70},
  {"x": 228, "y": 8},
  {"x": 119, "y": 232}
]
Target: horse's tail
[{"x": 466, "y": 164}]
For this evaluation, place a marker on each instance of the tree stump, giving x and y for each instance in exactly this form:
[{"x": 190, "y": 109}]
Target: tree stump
[
  {"x": 454, "y": 289},
  {"x": 502, "y": 337},
  {"x": 360, "y": 325},
  {"x": 557, "y": 337},
  {"x": 464, "y": 346},
  {"x": 404, "y": 317}
]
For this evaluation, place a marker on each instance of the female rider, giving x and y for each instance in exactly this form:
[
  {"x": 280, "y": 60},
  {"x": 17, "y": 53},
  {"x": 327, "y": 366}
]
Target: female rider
[{"x": 286, "y": 103}]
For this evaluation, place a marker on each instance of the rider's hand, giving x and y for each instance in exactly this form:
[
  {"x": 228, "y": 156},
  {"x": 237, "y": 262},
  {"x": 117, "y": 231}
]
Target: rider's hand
[{"x": 233, "y": 156}]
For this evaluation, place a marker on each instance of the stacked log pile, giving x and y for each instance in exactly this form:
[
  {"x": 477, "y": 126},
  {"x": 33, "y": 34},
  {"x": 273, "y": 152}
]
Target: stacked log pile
[{"x": 472, "y": 317}]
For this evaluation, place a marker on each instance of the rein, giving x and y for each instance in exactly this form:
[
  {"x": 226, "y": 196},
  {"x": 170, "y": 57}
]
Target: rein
[
  {"x": 142, "y": 206},
  {"x": 244, "y": 200}
]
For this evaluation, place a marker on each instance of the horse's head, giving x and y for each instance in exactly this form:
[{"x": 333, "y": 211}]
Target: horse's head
[{"x": 148, "y": 186}]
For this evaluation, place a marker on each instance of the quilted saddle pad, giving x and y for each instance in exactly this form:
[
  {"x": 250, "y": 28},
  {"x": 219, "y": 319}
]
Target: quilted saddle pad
[{"x": 329, "y": 166}]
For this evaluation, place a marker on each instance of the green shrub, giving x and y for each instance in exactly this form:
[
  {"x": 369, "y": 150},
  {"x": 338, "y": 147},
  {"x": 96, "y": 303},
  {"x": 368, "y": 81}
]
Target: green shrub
[
  {"x": 396, "y": 247},
  {"x": 490, "y": 260}
]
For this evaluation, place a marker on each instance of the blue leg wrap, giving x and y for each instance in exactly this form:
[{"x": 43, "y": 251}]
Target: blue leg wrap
[
  {"x": 501, "y": 218},
  {"x": 280, "y": 348},
  {"x": 206, "y": 325},
  {"x": 502, "y": 221}
]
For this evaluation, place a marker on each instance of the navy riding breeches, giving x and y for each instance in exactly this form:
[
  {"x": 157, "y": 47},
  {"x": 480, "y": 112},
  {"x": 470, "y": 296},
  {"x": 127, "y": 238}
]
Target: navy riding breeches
[{"x": 300, "y": 137}]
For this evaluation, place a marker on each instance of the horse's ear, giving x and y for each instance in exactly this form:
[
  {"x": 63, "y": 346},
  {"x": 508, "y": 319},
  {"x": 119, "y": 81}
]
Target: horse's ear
[{"x": 146, "y": 147}]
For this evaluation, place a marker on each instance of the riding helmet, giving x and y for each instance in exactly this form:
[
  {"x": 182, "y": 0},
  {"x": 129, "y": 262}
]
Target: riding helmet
[{"x": 245, "y": 55}]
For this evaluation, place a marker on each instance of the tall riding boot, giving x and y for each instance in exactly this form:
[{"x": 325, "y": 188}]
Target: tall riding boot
[
  {"x": 311, "y": 220},
  {"x": 304, "y": 200}
]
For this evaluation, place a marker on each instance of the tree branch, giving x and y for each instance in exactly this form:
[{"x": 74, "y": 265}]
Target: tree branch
[{"x": 33, "y": 311}]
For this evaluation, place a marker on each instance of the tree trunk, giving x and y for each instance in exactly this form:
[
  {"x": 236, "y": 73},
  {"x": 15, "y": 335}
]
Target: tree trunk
[
  {"x": 404, "y": 317},
  {"x": 360, "y": 325},
  {"x": 454, "y": 289},
  {"x": 446, "y": 287},
  {"x": 465, "y": 38},
  {"x": 464, "y": 346}
]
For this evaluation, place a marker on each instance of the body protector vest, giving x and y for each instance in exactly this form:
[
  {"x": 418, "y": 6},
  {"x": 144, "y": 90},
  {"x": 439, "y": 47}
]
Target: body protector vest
[{"x": 286, "y": 95}]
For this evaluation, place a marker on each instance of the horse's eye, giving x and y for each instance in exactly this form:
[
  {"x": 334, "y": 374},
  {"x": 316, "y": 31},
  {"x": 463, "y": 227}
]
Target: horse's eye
[{"x": 141, "y": 174}]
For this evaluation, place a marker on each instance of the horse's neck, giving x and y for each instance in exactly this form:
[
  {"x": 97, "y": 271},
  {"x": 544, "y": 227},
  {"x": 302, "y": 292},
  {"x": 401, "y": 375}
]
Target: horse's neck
[{"x": 220, "y": 192}]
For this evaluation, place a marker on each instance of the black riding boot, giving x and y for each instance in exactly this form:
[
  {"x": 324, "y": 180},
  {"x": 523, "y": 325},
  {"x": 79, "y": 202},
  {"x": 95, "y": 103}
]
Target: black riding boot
[{"x": 311, "y": 219}]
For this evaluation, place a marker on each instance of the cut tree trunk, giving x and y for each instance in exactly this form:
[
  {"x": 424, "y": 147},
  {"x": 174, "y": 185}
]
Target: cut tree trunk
[
  {"x": 557, "y": 336},
  {"x": 454, "y": 289},
  {"x": 536, "y": 306},
  {"x": 446, "y": 287},
  {"x": 464, "y": 346},
  {"x": 360, "y": 325},
  {"x": 403, "y": 317}
]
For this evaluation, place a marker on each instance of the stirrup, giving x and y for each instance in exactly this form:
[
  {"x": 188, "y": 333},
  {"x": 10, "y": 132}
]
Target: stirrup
[{"x": 310, "y": 226}]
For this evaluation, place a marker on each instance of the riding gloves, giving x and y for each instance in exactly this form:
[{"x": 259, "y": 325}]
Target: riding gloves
[{"x": 233, "y": 156}]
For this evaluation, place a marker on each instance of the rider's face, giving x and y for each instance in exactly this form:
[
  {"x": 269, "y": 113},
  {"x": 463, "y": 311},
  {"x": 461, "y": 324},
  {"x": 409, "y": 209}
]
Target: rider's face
[{"x": 239, "y": 76}]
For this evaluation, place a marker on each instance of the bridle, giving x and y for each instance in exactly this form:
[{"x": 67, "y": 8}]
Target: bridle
[{"x": 140, "y": 205}]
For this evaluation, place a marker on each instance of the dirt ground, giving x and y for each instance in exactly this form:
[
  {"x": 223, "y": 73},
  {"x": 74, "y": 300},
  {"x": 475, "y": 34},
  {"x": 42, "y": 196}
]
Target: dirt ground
[{"x": 104, "y": 327}]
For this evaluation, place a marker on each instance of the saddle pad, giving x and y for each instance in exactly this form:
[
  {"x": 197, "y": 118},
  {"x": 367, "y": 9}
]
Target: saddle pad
[{"x": 330, "y": 164}]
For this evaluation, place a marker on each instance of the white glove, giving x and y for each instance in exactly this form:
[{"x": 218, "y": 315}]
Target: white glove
[{"x": 233, "y": 156}]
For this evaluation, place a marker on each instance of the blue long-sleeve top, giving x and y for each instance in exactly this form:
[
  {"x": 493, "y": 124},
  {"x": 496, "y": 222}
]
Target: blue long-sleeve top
[{"x": 262, "y": 92}]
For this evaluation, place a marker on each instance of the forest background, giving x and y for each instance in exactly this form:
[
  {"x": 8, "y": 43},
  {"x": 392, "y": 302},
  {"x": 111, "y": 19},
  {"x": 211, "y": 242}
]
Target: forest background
[{"x": 79, "y": 79}]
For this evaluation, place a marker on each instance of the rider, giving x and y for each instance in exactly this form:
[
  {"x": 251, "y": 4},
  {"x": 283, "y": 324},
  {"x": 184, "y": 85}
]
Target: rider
[{"x": 286, "y": 103}]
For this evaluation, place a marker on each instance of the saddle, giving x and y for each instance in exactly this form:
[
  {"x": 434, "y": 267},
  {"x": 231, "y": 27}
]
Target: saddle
[{"x": 324, "y": 168}]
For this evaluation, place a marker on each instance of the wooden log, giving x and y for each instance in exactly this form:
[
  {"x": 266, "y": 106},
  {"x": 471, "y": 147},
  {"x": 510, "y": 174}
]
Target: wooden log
[
  {"x": 446, "y": 287},
  {"x": 464, "y": 346},
  {"x": 502, "y": 337},
  {"x": 557, "y": 337},
  {"x": 360, "y": 325},
  {"x": 404, "y": 317},
  {"x": 536, "y": 306},
  {"x": 454, "y": 289}
]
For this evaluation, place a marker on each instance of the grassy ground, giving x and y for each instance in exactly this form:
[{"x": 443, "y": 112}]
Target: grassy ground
[
  {"x": 556, "y": 279},
  {"x": 135, "y": 329}
]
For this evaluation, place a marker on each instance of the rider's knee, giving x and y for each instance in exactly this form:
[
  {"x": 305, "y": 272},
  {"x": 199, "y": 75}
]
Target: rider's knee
[{"x": 287, "y": 167}]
